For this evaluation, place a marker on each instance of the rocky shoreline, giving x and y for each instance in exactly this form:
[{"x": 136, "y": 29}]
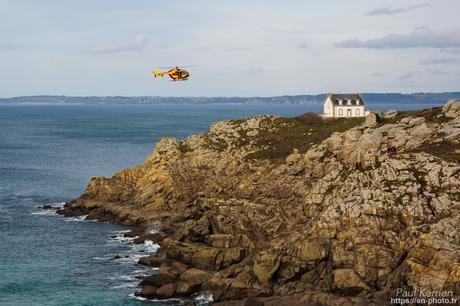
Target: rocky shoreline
[{"x": 296, "y": 211}]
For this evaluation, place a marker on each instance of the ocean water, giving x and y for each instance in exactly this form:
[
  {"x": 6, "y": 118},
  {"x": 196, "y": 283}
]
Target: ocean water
[{"x": 47, "y": 154}]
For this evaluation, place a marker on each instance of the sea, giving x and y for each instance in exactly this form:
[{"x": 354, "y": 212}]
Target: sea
[{"x": 47, "y": 155}]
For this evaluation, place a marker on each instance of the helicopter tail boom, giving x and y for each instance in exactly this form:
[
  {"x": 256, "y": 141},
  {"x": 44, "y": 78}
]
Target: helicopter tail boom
[{"x": 158, "y": 73}]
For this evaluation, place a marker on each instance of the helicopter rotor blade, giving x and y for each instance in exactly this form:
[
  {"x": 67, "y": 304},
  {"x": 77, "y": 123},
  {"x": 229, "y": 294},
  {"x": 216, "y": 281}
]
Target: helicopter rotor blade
[{"x": 178, "y": 66}]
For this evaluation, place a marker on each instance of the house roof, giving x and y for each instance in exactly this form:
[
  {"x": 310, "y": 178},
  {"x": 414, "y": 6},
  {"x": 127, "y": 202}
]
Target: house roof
[{"x": 353, "y": 97}]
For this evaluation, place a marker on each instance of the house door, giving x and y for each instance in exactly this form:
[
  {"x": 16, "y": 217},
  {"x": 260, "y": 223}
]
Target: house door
[{"x": 349, "y": 112}]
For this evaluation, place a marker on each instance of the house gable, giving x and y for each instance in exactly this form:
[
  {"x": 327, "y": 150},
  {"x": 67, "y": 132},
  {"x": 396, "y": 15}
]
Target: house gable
[{"x": 344, "y": 105}]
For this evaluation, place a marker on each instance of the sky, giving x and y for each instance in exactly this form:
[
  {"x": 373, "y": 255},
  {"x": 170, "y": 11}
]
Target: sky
[{"x": 235, "y": 48}]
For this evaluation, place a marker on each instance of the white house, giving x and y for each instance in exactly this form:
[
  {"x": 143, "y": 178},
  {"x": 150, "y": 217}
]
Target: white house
[{"x": 344, "y": 106}]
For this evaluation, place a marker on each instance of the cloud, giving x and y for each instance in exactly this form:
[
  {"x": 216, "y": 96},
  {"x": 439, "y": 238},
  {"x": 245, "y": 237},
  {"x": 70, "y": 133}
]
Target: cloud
[
  {"x": 302, "y": 46},
  {"x": 391, "y": 11},
  {"x": 439, "y": 61},
  {"x": 43, "y": 64},
  {"x": 421, "y": 38},
  {"x": 7, "y": 47},
  {"x": 407, "y": 76},
  {"x": 253, "y": 71},
  {"x": 378, "y": 74},
  {"x": 138, "y": 44},
  {"x": 438, "y": 72}
]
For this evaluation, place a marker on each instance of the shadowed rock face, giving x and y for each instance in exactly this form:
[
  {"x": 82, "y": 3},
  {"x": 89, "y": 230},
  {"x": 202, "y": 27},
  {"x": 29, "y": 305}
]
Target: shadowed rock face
[{"x": 345, "y": 218}]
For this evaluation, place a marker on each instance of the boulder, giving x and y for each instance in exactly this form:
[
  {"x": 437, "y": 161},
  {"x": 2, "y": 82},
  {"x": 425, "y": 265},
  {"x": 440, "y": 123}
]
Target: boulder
[
  {"x": 293, "y": 158},
  {"x": 147, "y": 292},
  {"x": 451, "y": 109},
  {"x": 151, "y": 261},
  {"x": 159, "y": 279},
  {"x": 369, "y": 144},
  {"x": 416, "y": 121},
  {"x": 391, "y": 113},
  {"x": 372, "y": 120},
  {"x": 166, "y": 291},
  {"x": 230, "y": 256},
  {"x": 347, "y": 279},
  {"x": 184, "y": 288},
  {"x": 194, "y": 276},
  {"x": 266, "y": 265},
  {"x": 312, "y": 250},
  {"x": 253, "y": 301},
  {"x": 155, "y": 238}
]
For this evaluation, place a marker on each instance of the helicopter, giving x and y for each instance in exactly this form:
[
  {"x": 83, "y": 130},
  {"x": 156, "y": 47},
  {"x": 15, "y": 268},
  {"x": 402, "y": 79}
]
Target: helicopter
[{"x": 175, "y": 73}]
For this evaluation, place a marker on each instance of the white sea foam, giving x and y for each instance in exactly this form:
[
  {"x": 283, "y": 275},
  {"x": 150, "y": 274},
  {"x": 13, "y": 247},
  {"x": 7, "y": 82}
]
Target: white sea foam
[
  {"x": 102, "y": 258},
  {"x": 49, "y": 211},
  {"x": 206, "y": 296},
  {"x": 147, "y": 247},
  {"x": 121, "y": 238},
  {"x": 129, "y": 278},
  {"x": 121, "y": 231},
  {"x": 125, "y": 285},
  {"x": 153, "y": 231},
  {"x": 140, "y": 298},
  {"x": 77, "y": 219},
  {"x": 57, "y": 204},
  {"x": 131, "y": 258},
  {"x": 45, "y": 213},
  {"x": 53, "y": 205},
  {"x": 144, "y": 272}
]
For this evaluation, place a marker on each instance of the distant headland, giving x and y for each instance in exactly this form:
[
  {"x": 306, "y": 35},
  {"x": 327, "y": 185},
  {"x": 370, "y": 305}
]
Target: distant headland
[{"x": 416, "y": 98}]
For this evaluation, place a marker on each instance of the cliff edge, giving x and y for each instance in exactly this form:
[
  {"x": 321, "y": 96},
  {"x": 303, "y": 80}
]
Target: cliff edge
[{"x": 296, "y": 211}]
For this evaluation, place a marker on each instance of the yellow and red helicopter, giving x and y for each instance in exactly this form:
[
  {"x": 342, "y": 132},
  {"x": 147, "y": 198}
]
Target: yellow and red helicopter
[{"x": 175, "y": 73}]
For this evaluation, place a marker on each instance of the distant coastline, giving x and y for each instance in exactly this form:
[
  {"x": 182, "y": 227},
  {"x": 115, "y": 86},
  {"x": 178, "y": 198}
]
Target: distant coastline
[{"x": 370, "y": 98}]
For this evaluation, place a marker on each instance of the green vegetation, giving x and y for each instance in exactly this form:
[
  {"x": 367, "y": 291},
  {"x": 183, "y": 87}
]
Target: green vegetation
[
  {"x": 328, "y": 190},
  {"x": 286, "y": 134},
  {"x": 183, "y": 147},
  {"x": 432, "y": 115},
  {"x": 214, "y": 144},
  {"x": 445, "y": 150}
]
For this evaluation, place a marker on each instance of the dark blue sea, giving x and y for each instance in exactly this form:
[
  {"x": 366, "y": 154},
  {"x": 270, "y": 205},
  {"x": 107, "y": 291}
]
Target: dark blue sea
[{"x": 47, "y": 154}]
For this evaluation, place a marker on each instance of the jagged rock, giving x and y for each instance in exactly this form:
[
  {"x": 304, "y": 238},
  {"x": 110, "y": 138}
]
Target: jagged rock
[
  {"x": 155, "y": 238},
  {"x": 313, "y": 250},
  {"x": 341, "y": 218},
  {"x": 194, "y": 276},
  {"x": 294, "y": 157},
  {"x": 265, "y": 266},
  {"x": 452, "y": 109},
  {"x": 369, "y": 144},
  {"x": 348, "y": 279},
  {"x": 159, "y": 279},
  {"x": 152, "y": 261}
]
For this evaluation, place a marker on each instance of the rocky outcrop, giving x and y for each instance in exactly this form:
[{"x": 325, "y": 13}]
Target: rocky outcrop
[{"x": 283, "y": 211}]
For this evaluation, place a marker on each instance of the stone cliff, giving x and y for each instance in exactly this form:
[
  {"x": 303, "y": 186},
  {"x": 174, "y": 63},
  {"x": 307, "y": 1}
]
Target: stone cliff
[{"x": 296, "y": 211}]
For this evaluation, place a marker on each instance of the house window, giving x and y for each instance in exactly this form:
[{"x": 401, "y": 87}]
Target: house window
[
  {"x": 340, "y": 112},
  {"x": 357, "y": 112},
  {"x": 349, "y": 112}
]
